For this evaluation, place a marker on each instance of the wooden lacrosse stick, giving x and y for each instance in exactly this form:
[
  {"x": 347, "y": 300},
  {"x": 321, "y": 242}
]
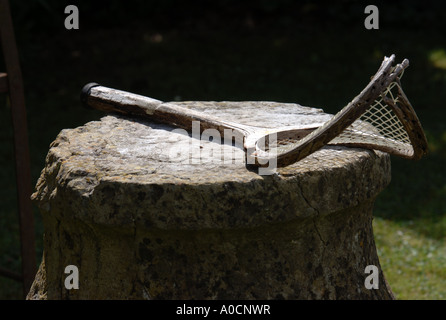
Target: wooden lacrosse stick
[{"x": 284, "y": 146}]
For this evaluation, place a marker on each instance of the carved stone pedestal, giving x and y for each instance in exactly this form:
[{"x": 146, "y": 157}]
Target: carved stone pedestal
[{"x": 148, "y": 212}]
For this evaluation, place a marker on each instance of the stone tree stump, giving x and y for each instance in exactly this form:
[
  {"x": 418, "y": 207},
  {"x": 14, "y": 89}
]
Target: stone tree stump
[{"x": 144, "y": 211}]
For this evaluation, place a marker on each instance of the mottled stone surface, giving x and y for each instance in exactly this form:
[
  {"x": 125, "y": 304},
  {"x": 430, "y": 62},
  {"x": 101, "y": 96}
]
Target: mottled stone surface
[{"x": 148, "y": 212}]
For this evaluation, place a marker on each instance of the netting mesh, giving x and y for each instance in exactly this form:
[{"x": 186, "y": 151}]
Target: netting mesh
[{"x": 379, "y": 126}]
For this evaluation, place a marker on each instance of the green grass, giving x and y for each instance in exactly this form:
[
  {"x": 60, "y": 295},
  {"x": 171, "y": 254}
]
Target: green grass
[
  {"x": 413, "y": 264},
  {"x": 314, "y": 61}
]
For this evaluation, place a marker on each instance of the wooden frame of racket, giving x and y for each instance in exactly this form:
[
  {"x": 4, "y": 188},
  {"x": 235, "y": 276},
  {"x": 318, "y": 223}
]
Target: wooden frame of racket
[
  {"x": 322, "y": 136},
  {"x": 307, "y": 140}
]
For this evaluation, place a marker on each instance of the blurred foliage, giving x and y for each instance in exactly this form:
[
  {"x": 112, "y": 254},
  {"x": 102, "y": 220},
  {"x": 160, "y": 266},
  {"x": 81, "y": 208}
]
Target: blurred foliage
[
  {"x": 412, "y": 264},
  {"x": 438, "y": 58}
]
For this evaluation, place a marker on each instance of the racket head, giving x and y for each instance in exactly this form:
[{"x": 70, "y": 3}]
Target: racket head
[
  {"x": 390, "y": 125},
  {"x": 286, "y": 148}
]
